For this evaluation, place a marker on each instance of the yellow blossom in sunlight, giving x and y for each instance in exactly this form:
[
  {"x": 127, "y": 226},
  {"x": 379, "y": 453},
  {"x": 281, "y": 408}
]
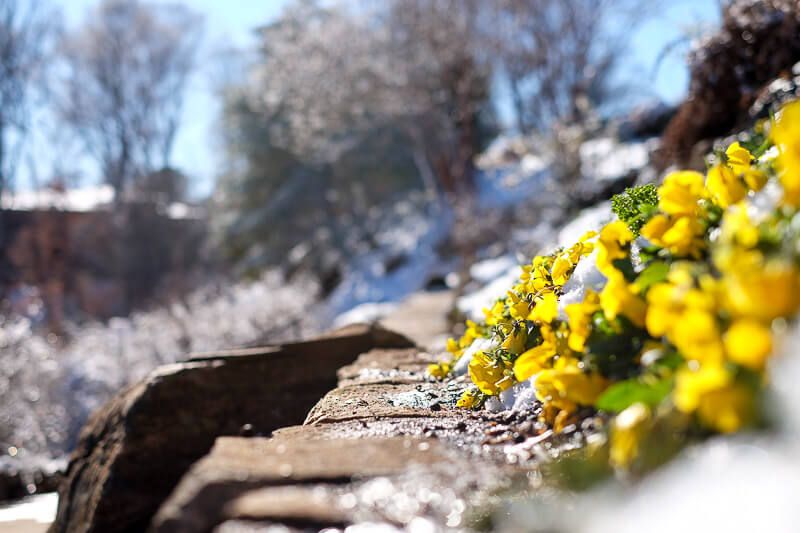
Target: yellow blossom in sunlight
[
  {"x": 682, "y": 236},
  {"x": 452, "y": 346},
  {"x": 439, "y": 370},
  {"x": 517, "y": 306},
  {"x": 495, "y": 315},
  {"x": 766, "y": 293},
  {"x": 748, "y": 343},
  {"x": 534, "y": 361},
  {"x": 711, "y": 392},
  {"x": 786, "y": 136},
  {"x": 615, "y": 238},
  {"x": 680, "y": 192},
  {"x": 755, "y": 179},
  {"x": 697, "y": 336},
  {"x": 489, "y": 374},
  {"x": 739, "y": 158},
  {"x": 562, "y": 267},
  {"x": 627, "y": 430},
  {"x": 724, "y": 186},
  {"x": 545, "y": 309},
  {"x": 468, "y": 400},
  {"x": 515, "y": 341},
  {"x": 620, "y": 298},
  {"x": 737, "y": 227},
  {"x": 567, "y": 386},
  {"x": 580, "y": 320}
]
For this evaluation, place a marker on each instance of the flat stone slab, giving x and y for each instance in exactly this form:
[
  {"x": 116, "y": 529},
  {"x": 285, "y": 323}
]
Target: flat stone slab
[
  {"x": 321, "y": 483},
  {"x": 133, "y": 452},
  {"x": 387, "y": 366}
]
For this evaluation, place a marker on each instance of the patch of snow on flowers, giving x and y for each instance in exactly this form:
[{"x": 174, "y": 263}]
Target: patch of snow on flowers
[
  {"x": 472, "y": 304},
  {"x": 478, "y": 345},
  {"x": 590, "y": 219}
]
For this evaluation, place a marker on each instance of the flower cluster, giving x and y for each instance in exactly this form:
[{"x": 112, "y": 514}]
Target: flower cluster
[{"x": 696, "y": 288}]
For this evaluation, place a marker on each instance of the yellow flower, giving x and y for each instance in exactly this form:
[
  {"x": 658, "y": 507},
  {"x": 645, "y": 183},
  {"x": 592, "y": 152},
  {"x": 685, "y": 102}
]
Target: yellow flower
[
  {"x": 724, "y": 186},
  {"x": 765, "y": 293},
  {"x": 664, "y": 309},
  {"x": 566, "y": 385},
  {"x": 495, "y": 315},
  {"x": 680, "y": 192},
  {"x": 468, "y": 400},
  {"x": 615, "y": 238},
  {"x": 786, "y": 136},
  {"x": 517, "y": 306},
  {"x": 755, "y": 179},
  {"x": 545, "y": 309},
  {"x": 580, "y": 320},
  {"x": 682, "y": 236},
  {"x": 720, "y": 403},
  {"x": 515, "y": 341},
  {"x": 627, "y": 430},
  {"x": 619, "y": 298},
  {"x": 452, "y": 346},
  {"x": 748, "y": 343},
  {"x": 439, "y": 370},
  {"x": 534, "y": 361},
  {"x": 739, "y": 158},
  {"x": 738, "y": 228},
  {"x": 489, "y": 374},
  {"x": 562, "y": 267},
  {"x": 696, "y": 335}
]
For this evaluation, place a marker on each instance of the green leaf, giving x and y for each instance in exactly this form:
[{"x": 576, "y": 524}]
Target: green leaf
[
  {"x": 622, "y": 395},
  {"x": 636, "y": 206},
  {"x": 656, "y": 272}
]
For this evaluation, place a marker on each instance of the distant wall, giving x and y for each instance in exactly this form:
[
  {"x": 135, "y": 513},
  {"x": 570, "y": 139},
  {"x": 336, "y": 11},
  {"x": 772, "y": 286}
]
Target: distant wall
[{"x": 98, "y": 264}]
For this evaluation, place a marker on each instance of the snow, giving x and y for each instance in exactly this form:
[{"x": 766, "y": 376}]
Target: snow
[
  {"x": 364, "y": 313},
  {"x": 489, "y": 269},
  {"x": 518, "y": 398},
  {"x": 47, "y": 390},
  {"x": 80, "y": 199},
  {"x": 590, "y": 219},
  {"x": 40, "y": 508},
  {"x": 472, "y": 304},
  {"x": 605, "y": 158}
]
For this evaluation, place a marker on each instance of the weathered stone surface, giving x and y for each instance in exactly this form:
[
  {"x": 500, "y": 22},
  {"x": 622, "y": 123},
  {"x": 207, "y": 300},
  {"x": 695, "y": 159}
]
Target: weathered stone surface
[
  {"x": 386, "y": 366},
  {"x": 318, "y": 483},
  {"x": 132, "y": 453},
  {"x": 372, "y": 451}
]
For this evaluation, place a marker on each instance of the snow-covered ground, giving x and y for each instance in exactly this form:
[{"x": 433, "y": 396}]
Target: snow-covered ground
[{"x": 47, "y": 391}]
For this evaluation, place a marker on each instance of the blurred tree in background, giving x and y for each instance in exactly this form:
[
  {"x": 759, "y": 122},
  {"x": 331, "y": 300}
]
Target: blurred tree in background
[
  {"x": 347, "y": 106},
  {"x": 561, "y": 57},
  {"x": 124, "y": 81},
  {"x": 351, "y": 102}
]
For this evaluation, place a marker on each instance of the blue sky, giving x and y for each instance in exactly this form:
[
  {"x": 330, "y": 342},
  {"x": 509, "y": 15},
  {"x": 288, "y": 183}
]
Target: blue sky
[{"x": 229, "y": 23}]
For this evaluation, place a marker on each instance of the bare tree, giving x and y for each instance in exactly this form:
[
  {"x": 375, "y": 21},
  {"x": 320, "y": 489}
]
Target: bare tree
[
  {"x": 560, "y": 56},
  {"x": 126, "y": 71},
  {"x": 26, "y": 29}
]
